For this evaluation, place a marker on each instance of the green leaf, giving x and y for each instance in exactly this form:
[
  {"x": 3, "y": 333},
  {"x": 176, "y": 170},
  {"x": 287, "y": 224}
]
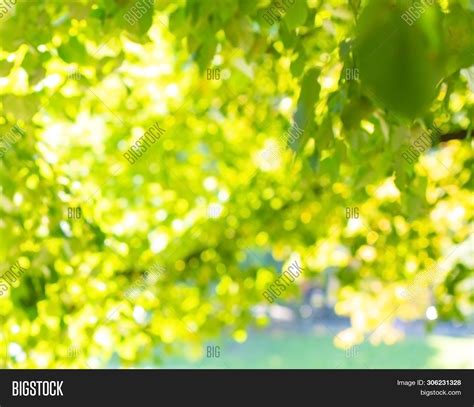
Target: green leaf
[
  {"x": 458, "y": 30},
  {"x": 247, "y": 6},
  {"x": 73, "y": 51},
  {"x": 289, "y": 38},
  {"x": 137, "y": 24},
  {"x": 178, "y": 24},
  {"x": 296, "y": 14},
  {"x": 309, "y": 94},
  {"x": 324, "y": 135},
  {"x": 356, "y": 110},
  {"x": 239, "y": 33},
  {"x": 297, "y": 66},
  {"x": 33, "y": 64},
  {"x": 330, "y": 167},
  {"x": 205, "y": 53},
  {"x": 400, "y": 64}
]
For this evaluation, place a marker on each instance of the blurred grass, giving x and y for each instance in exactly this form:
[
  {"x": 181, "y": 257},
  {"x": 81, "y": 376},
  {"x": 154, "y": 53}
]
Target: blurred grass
[{"x": 307, "y": 351}]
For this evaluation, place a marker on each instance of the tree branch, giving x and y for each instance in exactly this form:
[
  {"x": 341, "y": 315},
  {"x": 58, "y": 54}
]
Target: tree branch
[{"x": 457, "y": 135}]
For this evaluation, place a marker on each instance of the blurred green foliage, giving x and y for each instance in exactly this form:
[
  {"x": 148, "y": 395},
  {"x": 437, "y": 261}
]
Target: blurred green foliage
[{"x": 85, "y": 84}]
